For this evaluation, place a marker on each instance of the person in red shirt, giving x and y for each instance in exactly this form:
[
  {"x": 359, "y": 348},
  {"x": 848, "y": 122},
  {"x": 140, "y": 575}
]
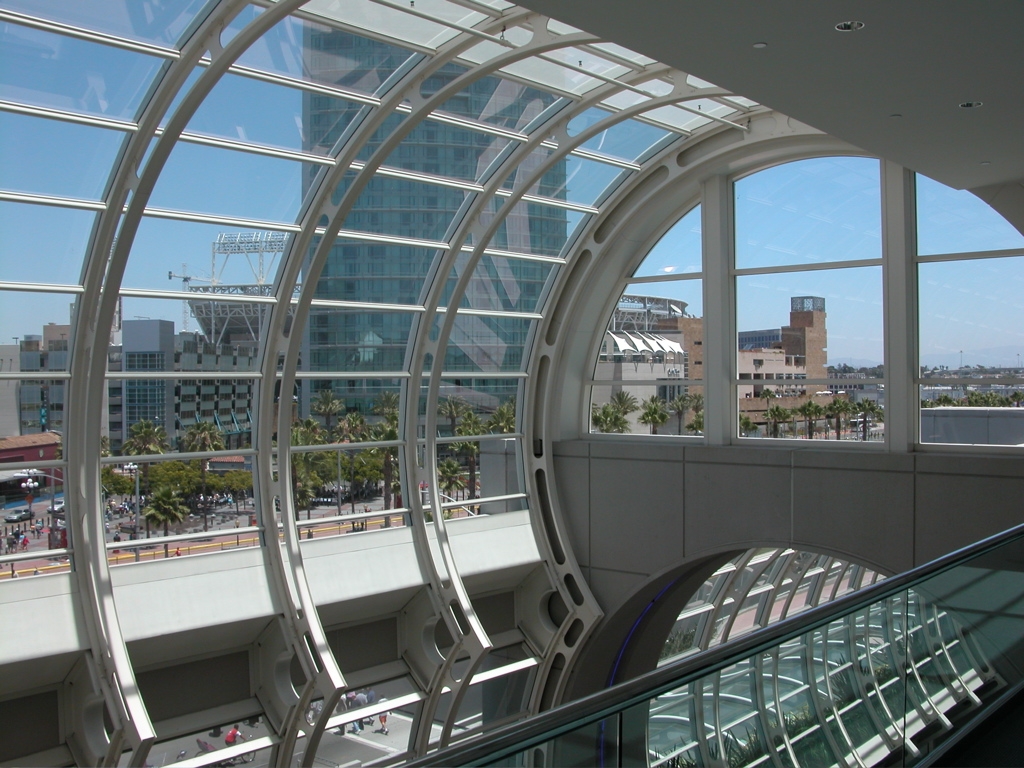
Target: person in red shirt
[{"x": 233, "y": 736}]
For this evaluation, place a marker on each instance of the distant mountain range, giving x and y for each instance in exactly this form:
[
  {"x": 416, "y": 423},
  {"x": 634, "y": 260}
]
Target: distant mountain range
[{"x": 993, "y": 357}]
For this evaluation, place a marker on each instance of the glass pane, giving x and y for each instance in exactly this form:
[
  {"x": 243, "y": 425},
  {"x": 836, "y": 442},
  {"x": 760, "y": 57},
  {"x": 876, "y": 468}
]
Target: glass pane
[
  {"x": 394, "y": 23},
  {"x": 971, "y": 317},
  {"x": 970, "y": 314},
  {"x": 374, "y": 272},
  {"x": 204, "y": 179},
  {"x": 152, "y": 416},
  {"x": 495, "y": 100},
  {"x": 447, "y": 150},
  {"x": 205, "y": 259},
  {"x": 629, "y": 139},
  {"x": 118, "y": 17},
  {"x": 357, "y": 340},
  {"x": 34, "y": 514},
  {"x": 58, "y": 256},
  {"x": 319, "y": 54},
  {"x": 500, "y": 283},
  {"x": 835, "y": 320},
  {"x": 838, "y": 337},
  {"x": 486, "y": 344},
  {"x": 957, "y": 221},
  {"x": 243, "y": 108},
  {"x": 655, "y": 340},
  {"x": 34, "y": 317},
  {"x": 49, "y": 70},
  {"x": 809, "y": 211},
  {"x": 404, "y": 207},
  {"x": 679, "y": 251},
  {"x": 45, "y": 156},
  {"x": 531, "y": 228}
]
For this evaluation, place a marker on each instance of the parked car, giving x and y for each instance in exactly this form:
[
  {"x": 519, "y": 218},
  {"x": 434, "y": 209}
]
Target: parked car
[
  {"x": 19, "y": 515},
  {"x": 57, "y": 506}
]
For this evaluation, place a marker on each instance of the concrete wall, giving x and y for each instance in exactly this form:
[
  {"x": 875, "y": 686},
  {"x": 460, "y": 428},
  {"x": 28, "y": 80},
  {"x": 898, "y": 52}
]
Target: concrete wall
[
  {"x": 644, "y": 516},
  {"x": 973, "y": 426}
]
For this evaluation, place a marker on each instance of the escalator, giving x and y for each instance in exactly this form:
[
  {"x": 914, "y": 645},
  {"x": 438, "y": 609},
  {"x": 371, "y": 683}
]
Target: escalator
[{"x": 924, "y": 668}]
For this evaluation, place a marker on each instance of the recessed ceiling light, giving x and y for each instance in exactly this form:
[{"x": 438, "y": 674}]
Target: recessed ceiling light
[
  {"x": 895, "y": 114},
  {"x": 986, "y": 162},
  {"x": 971, "y": 104},
  {"x": 850, "y": 26},
  {"x": 760, "y": 45}
]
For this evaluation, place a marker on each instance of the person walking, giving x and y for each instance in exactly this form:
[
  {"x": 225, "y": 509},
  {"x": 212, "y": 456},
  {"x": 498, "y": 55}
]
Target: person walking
[{"x": 383, "y": 718}]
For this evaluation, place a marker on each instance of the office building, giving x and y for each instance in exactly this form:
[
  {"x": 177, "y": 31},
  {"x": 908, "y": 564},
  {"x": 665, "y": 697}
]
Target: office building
[{"x": 729, "y": 159}]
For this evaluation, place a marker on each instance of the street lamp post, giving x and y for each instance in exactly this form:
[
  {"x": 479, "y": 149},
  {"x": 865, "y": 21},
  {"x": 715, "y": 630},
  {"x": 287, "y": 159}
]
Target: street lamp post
[
  {"x": 29, "y": 487},
  {"x": 134, "y": 469}
]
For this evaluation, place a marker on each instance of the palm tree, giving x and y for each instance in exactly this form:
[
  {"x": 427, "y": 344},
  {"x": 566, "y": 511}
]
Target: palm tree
[
  {"x": 767, "y": 395},
  {"x": 164, "y": 508},
  {"x": 697, "y": 402},
  {"x": 836, "y": 409},
  {"x": 1016, "y": 397},
  {"x": 202, "y": 437},
  {"x": 303, "y": 464},
  {"x": 811, "y": 412},
  {"x": 503, "y": 420},
  {"x": 654, "y": 413},
  {"x": 328, "y": 405},
  {"x": 869, "y": 409},
  {"x": 697, "y": 425},
  {"x": 678, "y": 406},
  {"x": 625, "y": 402},
  {"x": 776, "y": 415},
  {"x": 471, "y": 425},
  {"x": 352, "y": 429},
  {"x": 386, "y": 406},
  {"x": 145, "y": 439},
  {"x": 747, "y": 425},
  {"x": 452, "y": 408},
  {"x": 608, "y": 418},
  {"x": 449, "y": 477}
]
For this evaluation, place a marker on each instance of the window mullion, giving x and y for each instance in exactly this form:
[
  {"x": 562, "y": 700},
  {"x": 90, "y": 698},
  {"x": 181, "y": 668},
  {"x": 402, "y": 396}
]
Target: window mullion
[
  {"x": 719, "y": 312},
  {"x": 902, "y": 413}
]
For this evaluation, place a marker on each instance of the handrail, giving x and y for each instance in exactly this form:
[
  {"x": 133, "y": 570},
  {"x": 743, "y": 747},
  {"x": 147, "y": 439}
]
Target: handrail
[{"x": 519, "y": 736}]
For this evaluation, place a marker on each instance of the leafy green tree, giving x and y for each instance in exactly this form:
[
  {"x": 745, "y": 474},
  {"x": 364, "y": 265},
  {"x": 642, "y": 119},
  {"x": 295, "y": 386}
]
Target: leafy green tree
[
  {"x": 1017, "y": 397},
  {"x": 238, "y": 482},
  {"x": 202, "y": 437},
  {"x": 115, "y": 483},
  {"x": 183, "y": 478},
  {"x": 164, "y": 507},
  {"x": 653, "y": 413},
  {"x": 747, "y": 426},
  {"x": 304, "y": 464},
  {"x": 608, "y": 418}
]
